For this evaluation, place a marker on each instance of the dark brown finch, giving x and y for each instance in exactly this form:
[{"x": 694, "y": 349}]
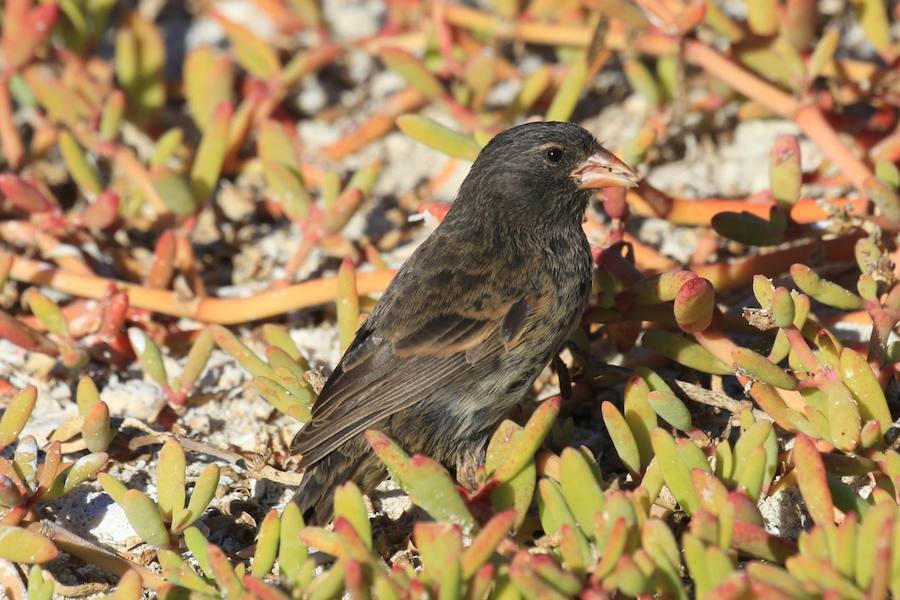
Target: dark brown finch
[{"x": 470, "y": 320}]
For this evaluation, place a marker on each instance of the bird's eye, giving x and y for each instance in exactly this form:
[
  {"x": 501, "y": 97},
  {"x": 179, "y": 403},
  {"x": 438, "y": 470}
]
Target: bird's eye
[{"x": 553, "y": 154}]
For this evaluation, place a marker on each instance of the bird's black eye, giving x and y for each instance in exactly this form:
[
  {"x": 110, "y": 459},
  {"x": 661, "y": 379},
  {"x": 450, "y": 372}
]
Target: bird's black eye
[{"x": 553, "y": 154}]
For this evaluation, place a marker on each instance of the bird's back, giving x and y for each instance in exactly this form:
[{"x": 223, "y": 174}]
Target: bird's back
[{"x": 420, "y": 351}]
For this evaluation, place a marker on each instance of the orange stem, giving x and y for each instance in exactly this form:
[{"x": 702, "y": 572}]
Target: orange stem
[
  {"x": 856, "y": 317},
  {"x": 226, "y": 311},
  {"x": 311, "y": 239},
  {"x": 689, "y": 211},
  {"x": 377, "y": 125},
  {"x": 807, "y": 212},
  {"x": 732, "y": 275},
  {"x": 648, "y": 258},
  {"x": 813, "y": 123},
  {"x": 552, "y": 34},
  {"x": 807, "y": 116},
  {"x": 186, "y": 262}
]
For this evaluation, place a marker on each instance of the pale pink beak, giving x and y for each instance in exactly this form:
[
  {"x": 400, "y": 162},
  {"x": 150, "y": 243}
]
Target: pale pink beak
[{"x": 601, "y": 170}]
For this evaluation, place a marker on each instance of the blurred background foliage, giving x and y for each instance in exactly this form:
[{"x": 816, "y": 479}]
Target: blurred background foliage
[{"x": 146, "y": 146}]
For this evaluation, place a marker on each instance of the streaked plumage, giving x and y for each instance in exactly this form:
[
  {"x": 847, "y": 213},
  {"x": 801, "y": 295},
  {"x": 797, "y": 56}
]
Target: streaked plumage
[{"x": 470, "y": 319}]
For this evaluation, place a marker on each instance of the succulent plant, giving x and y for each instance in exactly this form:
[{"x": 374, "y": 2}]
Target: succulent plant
[
  {"x": 159, "y": 523},
  {"x": 115, "y": 171}
]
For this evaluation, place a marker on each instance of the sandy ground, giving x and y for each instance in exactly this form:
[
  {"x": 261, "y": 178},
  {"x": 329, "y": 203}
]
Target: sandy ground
[{"x": 230, "y": 416}]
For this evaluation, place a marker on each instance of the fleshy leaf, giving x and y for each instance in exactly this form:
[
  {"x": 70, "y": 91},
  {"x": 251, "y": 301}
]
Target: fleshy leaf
[
  {"x": 16, "y": 415},
  {"x": 425, "y": 480},
  {"x": 24, "y": 546},
  {"x": 170, "y": 480},
  {"x": 622, "y": 437},
  {"x": 144, "y": 516},
  {"x": 684, "y": 351},
  {"x": 437, "y": 136},
  {"x": 823, "y": 290}
]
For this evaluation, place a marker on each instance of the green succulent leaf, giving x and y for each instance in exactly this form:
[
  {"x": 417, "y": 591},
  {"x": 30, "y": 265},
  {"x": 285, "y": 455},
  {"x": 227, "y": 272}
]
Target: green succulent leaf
[
  {"x": 25, "y": 460},
  {"x": 16, "y": 415},
  {"x": 97, "y": 432},
  {"x": 196, "y": 360},
  {"x": 413, "y": 71},
  {"x": 437, "y": 136},
  {"x": 857, "y": 375},
  {"x": 174, "y": 190},
  {"x": 684, "y": 351},
  {"x": 671, "y": 409},
  {"x": 170, "y": 481},
  {"x": 39, "y": 586},
  {"x": 166, "y": 146},
  {"x": 86, "y": 394},
  {"x": 517, "y": 492},
  {"x": 266, "y": 545},
  {"x": 761, "y": 368},
  {"x": 279, "y": 337},
  {"x": 83, "y": 469},
  {"x": 197, "y": 543},
  {"x": 486, "y": 542},
  {"x": 349, "y": 504},
  {"x": 211, "y": 154},
  {"x": 525, "y": 443},
  {"x": 292, "y": 553},
  {"x": 785, "y": 174},
  {"x": 245, "y": 357},
  {"x": 642, "y": 81},
  {"x": 9, "y": 492},
  {"x": 749, "y": 229},
  {"x": 176, "y": 570},
  {"x": 439, "y": 544},
  {"x": 24, "y": 546},
  {"x": 581, "y": 483},
  {"x": 639, "y": 415},
  {"x": 226, "y": 579},
  {"x": 563, "y": 104},
  {"x": 812, "y": 480},
  {"x": 80, "y": 168},
  {"x": 250, "y": 51},
  {"x": 695, "y": 303},
  {"x": 675, "y": 471},
  {"x": 112, "y": 486},
  {"x": 823, "y": 290},
  {"x": 204, "y": 492},
  {"x": 144, "y": 516},
  {"x": 426, "y": 481}
]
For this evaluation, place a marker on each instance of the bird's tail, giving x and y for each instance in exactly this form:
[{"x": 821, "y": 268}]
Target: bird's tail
[{"x": 315, "y": 495}]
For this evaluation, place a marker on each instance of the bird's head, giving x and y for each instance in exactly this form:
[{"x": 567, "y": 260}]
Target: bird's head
[{"x": 544, "y": 169}]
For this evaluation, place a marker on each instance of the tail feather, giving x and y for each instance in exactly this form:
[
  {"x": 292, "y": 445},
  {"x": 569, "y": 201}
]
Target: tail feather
[{"x": 315, "y": 494}]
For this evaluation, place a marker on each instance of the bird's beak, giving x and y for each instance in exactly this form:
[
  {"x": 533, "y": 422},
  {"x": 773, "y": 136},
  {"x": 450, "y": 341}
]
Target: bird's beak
[{"x": 601, "y": 170}]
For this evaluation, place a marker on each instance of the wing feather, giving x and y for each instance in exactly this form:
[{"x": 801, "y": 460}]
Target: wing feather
[
  {"x": 416, "y": 341},
  {"x": 378, "y": 376},
  {"x": 353, "y": 414}
]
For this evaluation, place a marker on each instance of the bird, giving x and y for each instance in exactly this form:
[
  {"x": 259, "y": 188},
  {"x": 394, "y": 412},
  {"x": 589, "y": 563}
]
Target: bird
[{"x": 470, "y": 319}]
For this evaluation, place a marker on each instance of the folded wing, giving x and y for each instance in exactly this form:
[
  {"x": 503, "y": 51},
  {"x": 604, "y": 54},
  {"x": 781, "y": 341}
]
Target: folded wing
[{"x": 385, "y": 371}]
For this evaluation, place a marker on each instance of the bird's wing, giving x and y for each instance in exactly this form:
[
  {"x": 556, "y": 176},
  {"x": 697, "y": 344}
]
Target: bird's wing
[{"x": 387, "y": 369}]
